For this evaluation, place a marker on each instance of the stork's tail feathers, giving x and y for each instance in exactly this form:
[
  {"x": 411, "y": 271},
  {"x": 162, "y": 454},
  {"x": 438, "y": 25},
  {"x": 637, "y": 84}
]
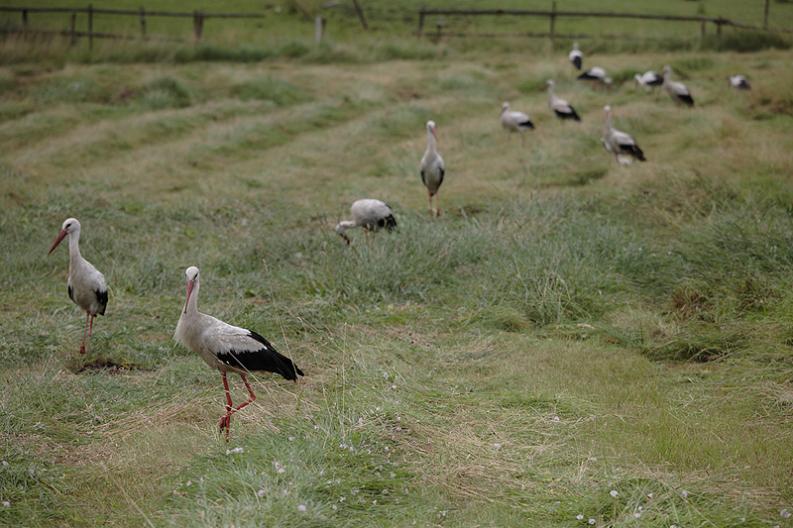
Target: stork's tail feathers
[
  {"x": 686, "y": 99},
  {"x": 389, "y": 222},
  {"x": 526, "y": 124},
  {"x": 636, "y": 152},
  {"x": 585, "y": 76},
  {"x": 268, "y": 359}
]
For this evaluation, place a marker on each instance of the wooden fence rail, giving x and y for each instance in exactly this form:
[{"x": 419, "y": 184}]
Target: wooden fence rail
[
  {"x": 553, "y": 14},
  {"x": 142, "y": 14}
]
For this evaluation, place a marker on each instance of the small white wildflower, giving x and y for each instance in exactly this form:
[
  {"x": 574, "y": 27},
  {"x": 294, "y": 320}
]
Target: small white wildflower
[
  {"x": 591, "y": 521},
  {"x": 673, "y": 526},
  {"x": 235, "y": 451},
  {"x": 374, "y": 502},
  {"x": 444, "y": 513},
  {"x": 580, "y": 517},
  {"x": 342, "y": 446},
  {"x": 378, "y": 408},
  {"x": 393, "y": 386},
  {"x": 385, "y": 375},
  {"x": 637, "y": 515},
  {"x": 650, "y": 495},
  {"x": 279, "y": 468},
  {"x": 614, "y": 493},
  {"x": 188, "y": 483},
  {"x": 291, "y": 438},
  {"x": 261, "y": 493},
  {"x": 497, "y": 446},
  {"x": 334, "y": 507},
  {"x": 5, "y": 463},
  {"x": 342, "y": 498},
  {"x": 785, "y": 514},
  {"x": 6, "y": 504},
  {"x": 386, "y": 449},
  {"x": 556, "y": 419},
  {"x": 684, "y": 494},
  {"x": 301, "y": 507},
  {"x": 354, "y": 491}
]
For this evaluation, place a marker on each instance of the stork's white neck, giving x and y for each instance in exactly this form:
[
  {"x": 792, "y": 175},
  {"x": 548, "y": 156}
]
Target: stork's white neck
[
  {"x": 432, "y": 144},
  {"x": 191, "y": 308},
  {"x": 608, "y": 121},
  {"x": 74, "y": 247},
  {"x": 344, "y": 225}
]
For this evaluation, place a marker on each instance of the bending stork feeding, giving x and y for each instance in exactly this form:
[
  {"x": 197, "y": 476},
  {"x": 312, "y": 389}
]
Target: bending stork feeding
[
  {"x": 622, "y": 145},
  {"x": 228, "y": 348},
  {"x": 677, "y": 90},
  {"x": 596, "y": 74},
  {"x": 649, "y": 79},
  {"x": 739, "y": 82},
  {"x": 86, "y": 285},
  {"x": 560, "y": 107},
  {"x": 431, "y": 168},
  {"x": 370, "y": 214},
  {"x": 576, "y": 57}
]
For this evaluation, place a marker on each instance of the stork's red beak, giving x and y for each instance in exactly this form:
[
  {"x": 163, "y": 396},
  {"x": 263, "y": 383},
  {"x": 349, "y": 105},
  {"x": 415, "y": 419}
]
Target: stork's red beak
[
  {"x": 190, "y": 285},
  {"x": 434, "y": 134},
  {"x": 61, "y": 235}
]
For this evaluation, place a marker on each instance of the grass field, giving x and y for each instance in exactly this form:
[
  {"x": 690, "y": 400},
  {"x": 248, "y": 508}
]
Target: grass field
[{"x": 567, "y": 328}]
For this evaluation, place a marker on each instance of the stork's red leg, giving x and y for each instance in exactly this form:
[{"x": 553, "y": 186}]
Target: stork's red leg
[
  {"x": 91, "y": 326},
  {"x": 85, "y": 332},
  {"x": 251, "y": 395},
  {"x": 225, "y": 420}
]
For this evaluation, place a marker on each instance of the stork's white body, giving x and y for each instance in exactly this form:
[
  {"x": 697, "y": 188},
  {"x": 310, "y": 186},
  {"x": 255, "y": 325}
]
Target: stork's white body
[
  {"x": 619, "y": 143},
  {"x": 368, "y": 213},
  {"x": 649, "y": 79},
  {"x": 576, "y": 57},
  {"x": 677, "y": 91},
  {"x": 514, "y": 121},
  {"x": 560, "y": 107},
  {"x": 597, "y": 74},
  {"x": 739, "y": 82}
]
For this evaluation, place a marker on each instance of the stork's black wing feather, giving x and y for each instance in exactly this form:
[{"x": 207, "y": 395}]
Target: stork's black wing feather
[
  {"x": 572, "y": 114},
  {"x": 634, "y": 151},
  {"x": 686, "y": 98},
  {"x": 443, "y": 173},
  {"x": 266, "y": 358},
  {"x": 71, "y": 291},
  {"x": 101, "y": 299},
  {"x": 577, "y": 62},
  {"x": 423, "y": 180}
]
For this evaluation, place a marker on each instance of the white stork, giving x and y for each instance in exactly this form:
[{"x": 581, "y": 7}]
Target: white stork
[
  {"x": 370, "y": 214},
  {"x": 432, "y": 169},
  {"x": 86, "y": 285},
  {"x": 576, "y": 57},
  {"x": 560, "y": 107},
  {"x": 514, "y": 121},
  {"x": 739, "y": 82},
  {"x": 596, "y": 74},
  {"x": 649, "y": 79},
  {"x": 622, "y": 145},
  {"x": 228, "y": 348},
  {"x": 677, "y": 90}
]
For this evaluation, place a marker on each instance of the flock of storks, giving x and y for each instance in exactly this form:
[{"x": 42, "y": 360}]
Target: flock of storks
[{"x": 230, "y": 348}]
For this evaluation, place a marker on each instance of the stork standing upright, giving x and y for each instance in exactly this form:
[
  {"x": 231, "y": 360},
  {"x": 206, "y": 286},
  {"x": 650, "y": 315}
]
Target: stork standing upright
[
  {"x": 560, "y": 107},
  {"x": 86, "y": 285},
  {"x": 228, "y": 348},
  {"x": 514, "y": 121},
  {"x": 576, "y": 57},
  {"x": 370, "y": 214},
  {"x": 677, "y": 90},
  {"x": 622, "y": 145},
  {"x": 432, "y": 168}
]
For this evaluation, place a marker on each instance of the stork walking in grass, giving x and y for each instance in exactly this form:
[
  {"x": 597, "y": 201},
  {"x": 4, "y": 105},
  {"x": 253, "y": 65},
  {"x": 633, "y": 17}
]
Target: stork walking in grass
[
  {"x": 649, "y": 79},
  {"x": 514, "y": 121},
  {"x": 560, "y": 107},
  {"x": 677, "y": 90},
  {"x": 619, "y": 143},
  {"x": 739, "y": 82},
  {"x": 576, "y": 57},
  {"x": 431, "y": 168},
  {"x": 86, "y": 285},
  {"x": 370, "y": 214},
  {"x": 228, "y": 348},
  {"x": 597, "y": 75}
]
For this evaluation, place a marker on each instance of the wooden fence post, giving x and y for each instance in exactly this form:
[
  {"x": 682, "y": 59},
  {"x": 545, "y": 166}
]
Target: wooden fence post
[
  {"x": 421, "y": 23},
  {"x": 142, "y": 15},
  {"x": 319, "y": 26},
  {"x": 765, "y": 15},
  {"x": 718, "y": 26},
  {"x": 702, "y": 29},
  {"x": 90, "y": 26},
  {"x": 198, "y": 24},
  {"x": 359, "y": 12},
  {"x": 73, "y": 29},
  {"x": 24, "y": 20},
  {"x": 552, "y": 29}
]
